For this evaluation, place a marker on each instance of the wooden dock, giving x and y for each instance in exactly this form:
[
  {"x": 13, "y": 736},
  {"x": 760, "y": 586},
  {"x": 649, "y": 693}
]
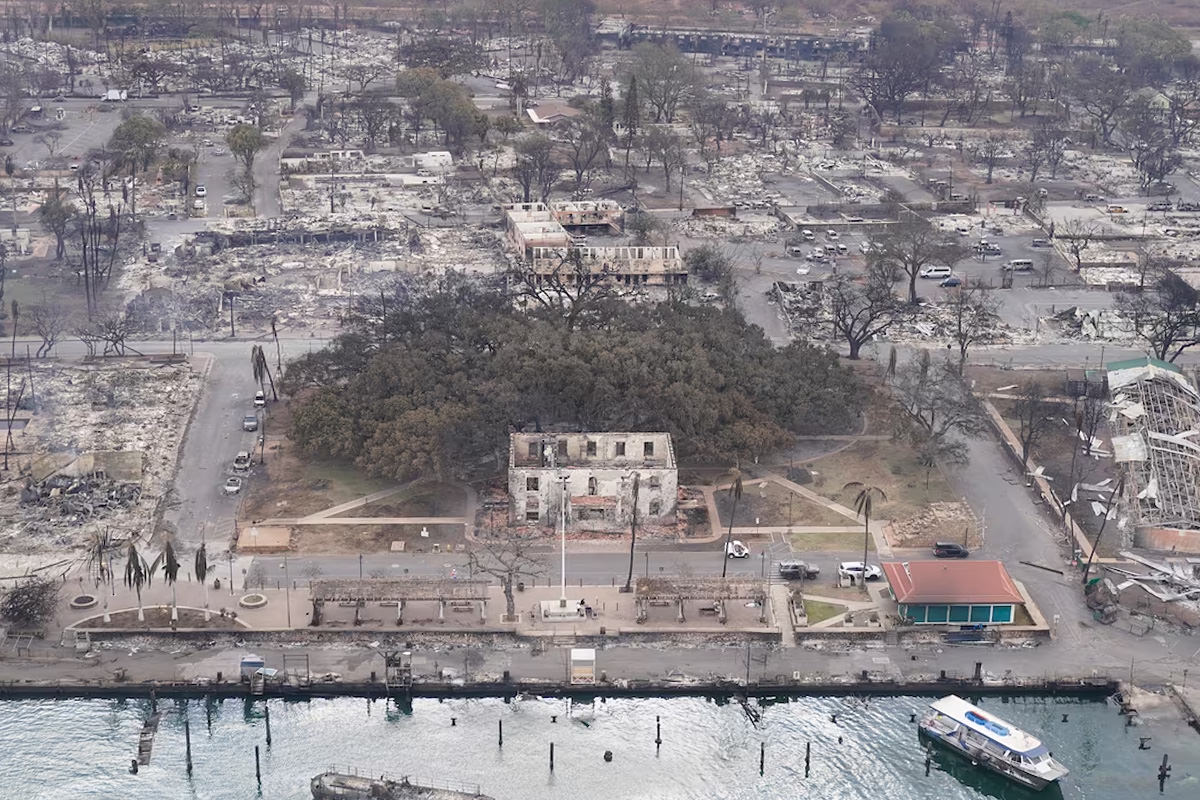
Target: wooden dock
[{"x": 146, "y": 738}]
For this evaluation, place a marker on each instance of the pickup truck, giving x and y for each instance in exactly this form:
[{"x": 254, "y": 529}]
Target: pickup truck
[{"x": 796, "y": 570}]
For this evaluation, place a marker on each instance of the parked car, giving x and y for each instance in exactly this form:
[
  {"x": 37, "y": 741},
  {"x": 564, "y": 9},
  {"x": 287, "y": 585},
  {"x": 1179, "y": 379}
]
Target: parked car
[
  {"x": 808, "y": 235},
  {"x": 950, "y": 550},
  {"x": 1019, "y": 265},
  {"x": 250, "y": 422},
  {"x": 242, "y": 460},
  {"x": 260, "y": 399},
  {"x": 736, "y": 549},
  {"x": 855, "y": 569},
  {"x": 935, "y": 272},
  {"x": 1041, "y": 242},
  {"x": 798, "y": 570},
  {"x": 1188, "y": 206},
  {"x": 201, "y": 191},
  {"x": 233, "y": 485},
  {"x": 951, "y": 282},
  {"x": 831, "y": 234},
  {"x": 1160, "y": 205},
  {"x": 6, "y": 142}
]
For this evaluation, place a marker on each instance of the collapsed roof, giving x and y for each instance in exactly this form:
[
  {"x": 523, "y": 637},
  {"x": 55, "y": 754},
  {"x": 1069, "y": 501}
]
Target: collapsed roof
[{"x": 1156, "y": 409}]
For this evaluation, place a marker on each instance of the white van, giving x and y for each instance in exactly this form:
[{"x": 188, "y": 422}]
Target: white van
[
  {"x": 1019, "y": 265},
  {"x": 935, "y": 272}
]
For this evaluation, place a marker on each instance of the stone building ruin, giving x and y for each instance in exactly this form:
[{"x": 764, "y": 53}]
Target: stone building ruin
[{"x": 593, "y": 473}]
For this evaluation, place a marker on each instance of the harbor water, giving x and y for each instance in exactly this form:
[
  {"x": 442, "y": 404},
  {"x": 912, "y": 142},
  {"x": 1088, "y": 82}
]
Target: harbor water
[{"x": 860, "y": 748}]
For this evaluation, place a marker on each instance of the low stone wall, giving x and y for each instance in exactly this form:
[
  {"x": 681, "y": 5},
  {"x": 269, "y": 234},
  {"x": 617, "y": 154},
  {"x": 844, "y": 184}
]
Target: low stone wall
[{"x": 1170, "y": 540}]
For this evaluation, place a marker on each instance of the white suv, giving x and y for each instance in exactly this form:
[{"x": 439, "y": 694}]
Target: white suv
[{"x": 855, "y": 568}]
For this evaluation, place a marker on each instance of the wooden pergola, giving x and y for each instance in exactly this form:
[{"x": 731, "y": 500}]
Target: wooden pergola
[
  {"x": 398, "y": 591},
  {"x": 677, "y": 590}
]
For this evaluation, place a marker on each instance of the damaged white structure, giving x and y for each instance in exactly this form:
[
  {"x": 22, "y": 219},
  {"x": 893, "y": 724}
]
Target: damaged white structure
[
  {"x": 1155, "y": 420},
  {"x": 546, "y": 239},
  {"x": 593, "y": 475}
]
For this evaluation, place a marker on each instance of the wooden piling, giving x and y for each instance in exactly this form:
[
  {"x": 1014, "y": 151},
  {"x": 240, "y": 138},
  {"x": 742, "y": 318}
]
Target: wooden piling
[
  {"x": 657, "y": 733},
  {"x": 500, "y": 726},
  {"x": 807, "y": 756},
  {"x": 552, "y": 756},
  {"x": 257, "y": 767},
  {"x": 267, "y": 717},
  {"x": 762, "y": 757},
  {"x": 187, "y": 742}
]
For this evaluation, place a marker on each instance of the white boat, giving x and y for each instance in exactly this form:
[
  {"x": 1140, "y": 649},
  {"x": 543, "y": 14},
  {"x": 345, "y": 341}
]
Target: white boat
[{"x": 991, "y": 742}]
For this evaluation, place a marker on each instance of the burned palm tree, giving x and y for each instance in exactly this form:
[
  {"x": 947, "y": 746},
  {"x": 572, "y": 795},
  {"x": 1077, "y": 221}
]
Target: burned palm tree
[
  {"x": 735, "y": 491},
  {"x": 138, "y": 574},
  {"x": 201, "y": 568},
  {"x": 99, "y": 563},
  {"x": 262, "y": 370},
  {"x": 633, "y": 533},
  {"x": 170, "y": 568}
]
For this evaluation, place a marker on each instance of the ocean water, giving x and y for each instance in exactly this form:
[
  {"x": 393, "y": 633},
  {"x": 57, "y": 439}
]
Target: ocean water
[{"x": 81, "y": 749}]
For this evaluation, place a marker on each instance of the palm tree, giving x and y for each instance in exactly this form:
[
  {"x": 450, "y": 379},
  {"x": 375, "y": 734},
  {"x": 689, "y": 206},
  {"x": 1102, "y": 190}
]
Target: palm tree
[
  {"x": 633, "y": 534},
  {"x": 138, "y": 574},
  {"x": 201, "y": 569},
  {"x": 98, "y": 558},
  {"x": 261, "y": 370},
  {"x": 170, "y": 568},
  {"x": 862, "y": 507},
  {"x": 735, "y": 491}
]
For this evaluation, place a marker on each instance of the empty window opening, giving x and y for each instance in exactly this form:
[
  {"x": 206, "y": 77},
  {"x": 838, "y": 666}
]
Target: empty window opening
[
  {"x": 591, "y": 486},
  {"x": 531, "y": 484},
  {"x": 648, "y": 449},
  {"x": 620, "y": 448},
  {"x": 591, "y": 448}
]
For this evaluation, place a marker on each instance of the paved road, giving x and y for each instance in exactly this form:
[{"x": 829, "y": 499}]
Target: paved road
[
  {"x": 266, "y": 165},
  {"x": 590, "y": 568},
  {"x": 215, "y": 436}
]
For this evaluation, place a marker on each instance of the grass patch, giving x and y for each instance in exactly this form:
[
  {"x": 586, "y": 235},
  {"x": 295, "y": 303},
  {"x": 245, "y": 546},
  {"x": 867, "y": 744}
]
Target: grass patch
[
  {"x": 769, "y": 504},
  {"x": 824, "y": 542},
  {"x": 342, "y": 481},
  {"x": 819, "y": 612},
  {"x": 889, "y": 465}
]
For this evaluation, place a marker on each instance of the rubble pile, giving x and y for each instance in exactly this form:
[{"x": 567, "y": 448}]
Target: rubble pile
[
  {"x": 299, "y": 285},
  {"x": 759, "y": 226},
  {"x": 938, "y": 519},
  {"x": 98, "y": 451},
  {"x": 1099, "y": 324},
  {"x": 738, "y": 180},
  {"x": 80, "y": 497}
]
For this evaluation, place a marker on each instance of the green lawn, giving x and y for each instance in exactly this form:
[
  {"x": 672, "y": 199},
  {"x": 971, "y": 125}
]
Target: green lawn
[
  {"x": 824, "y": 542},
  {"x": 344, "y": 481},
  {"x": 819, "y": 612}
]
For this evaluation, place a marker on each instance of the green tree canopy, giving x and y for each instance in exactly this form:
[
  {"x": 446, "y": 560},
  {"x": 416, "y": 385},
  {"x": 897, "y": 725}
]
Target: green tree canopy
[
  {"x": 434, "y": 377},
  {"x": 137, "y": 140}
]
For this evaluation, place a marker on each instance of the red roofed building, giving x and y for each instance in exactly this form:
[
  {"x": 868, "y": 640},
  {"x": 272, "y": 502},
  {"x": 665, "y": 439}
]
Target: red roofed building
[{"x": 953, "y": 592}]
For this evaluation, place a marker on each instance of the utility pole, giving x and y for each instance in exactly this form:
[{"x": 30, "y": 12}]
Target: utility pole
[{"x": 562, "y": 523}]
